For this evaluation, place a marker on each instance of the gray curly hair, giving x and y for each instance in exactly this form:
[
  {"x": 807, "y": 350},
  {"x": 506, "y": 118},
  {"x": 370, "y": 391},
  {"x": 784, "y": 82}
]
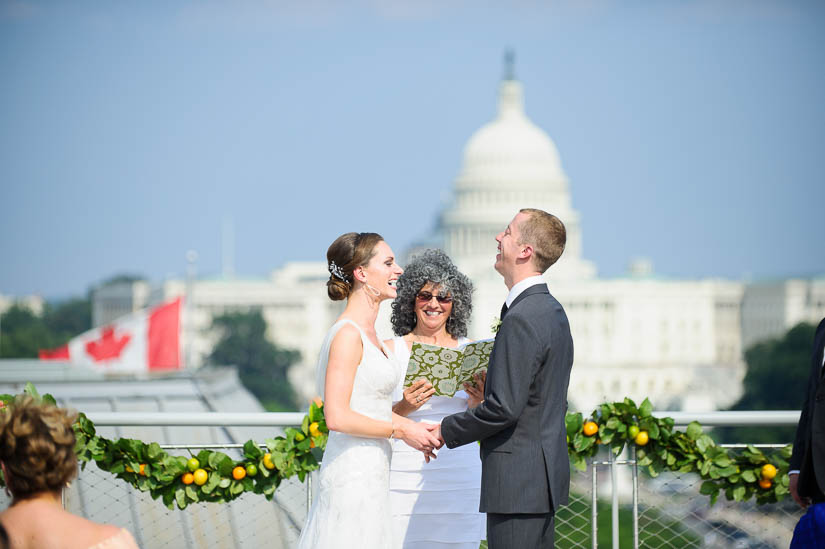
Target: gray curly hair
[{"x": 436, "y": 267}]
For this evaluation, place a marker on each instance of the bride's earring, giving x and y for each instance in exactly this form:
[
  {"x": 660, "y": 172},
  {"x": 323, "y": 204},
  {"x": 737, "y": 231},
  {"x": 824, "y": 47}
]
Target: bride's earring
[{"x": 370, "y": 289}]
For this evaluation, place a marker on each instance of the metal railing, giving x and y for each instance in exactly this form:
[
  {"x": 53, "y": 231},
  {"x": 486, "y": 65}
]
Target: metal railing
[
  {"x": 286, "y": 419},
  {"x": 667, "y": 512}
]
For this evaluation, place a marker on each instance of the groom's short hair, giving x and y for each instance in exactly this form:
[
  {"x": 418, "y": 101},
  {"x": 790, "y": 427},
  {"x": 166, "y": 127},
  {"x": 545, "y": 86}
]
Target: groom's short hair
[{"x": 546, "y": 234}]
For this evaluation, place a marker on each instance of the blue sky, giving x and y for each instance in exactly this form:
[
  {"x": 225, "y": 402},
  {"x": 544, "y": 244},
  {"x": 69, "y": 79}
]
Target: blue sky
[{"x": 692, "y": 132}]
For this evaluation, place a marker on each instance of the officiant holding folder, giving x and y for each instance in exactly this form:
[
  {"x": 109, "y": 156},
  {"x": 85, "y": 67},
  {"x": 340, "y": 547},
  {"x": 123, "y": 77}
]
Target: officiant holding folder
[{"x": 434, "y": 504}]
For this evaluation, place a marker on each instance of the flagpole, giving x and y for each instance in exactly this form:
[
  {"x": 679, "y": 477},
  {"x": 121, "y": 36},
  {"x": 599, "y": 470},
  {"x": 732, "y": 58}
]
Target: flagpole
[{"x": 191, "y": 273}]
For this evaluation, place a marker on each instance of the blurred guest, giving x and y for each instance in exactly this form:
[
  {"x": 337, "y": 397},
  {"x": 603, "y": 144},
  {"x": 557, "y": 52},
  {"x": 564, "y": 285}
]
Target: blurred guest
[
  {"x": 38, "y": 461},
  {"x": 434, "y": 504},
  {"x": 807, "y": 474}
]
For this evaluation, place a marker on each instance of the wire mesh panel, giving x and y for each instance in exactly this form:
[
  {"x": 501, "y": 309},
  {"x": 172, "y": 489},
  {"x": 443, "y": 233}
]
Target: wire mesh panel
[
  {"x": 573, "y": 521},
  {"x": 673, "y": 514}
]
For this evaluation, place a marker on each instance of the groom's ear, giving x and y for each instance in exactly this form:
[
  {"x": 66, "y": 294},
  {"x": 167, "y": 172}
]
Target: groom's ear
[{"x": 526, "y": 252}]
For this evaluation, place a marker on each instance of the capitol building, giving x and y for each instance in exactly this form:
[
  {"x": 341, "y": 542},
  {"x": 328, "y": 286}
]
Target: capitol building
[{"x": 678, "y": 342}]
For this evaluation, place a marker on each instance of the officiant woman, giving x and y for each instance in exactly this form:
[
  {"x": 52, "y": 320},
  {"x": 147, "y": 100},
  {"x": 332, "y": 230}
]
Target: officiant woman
[{"x": 434, "y": 505}]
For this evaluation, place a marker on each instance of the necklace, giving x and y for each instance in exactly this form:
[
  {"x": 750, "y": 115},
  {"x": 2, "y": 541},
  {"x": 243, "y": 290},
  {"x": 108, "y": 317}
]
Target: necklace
[{"x": 435, "y": 341}]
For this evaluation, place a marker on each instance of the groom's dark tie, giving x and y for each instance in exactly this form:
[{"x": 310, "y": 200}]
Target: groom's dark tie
[{"x": 503, "y": 311}]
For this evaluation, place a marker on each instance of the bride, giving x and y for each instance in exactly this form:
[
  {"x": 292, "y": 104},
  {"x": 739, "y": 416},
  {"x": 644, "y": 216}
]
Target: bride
[{"x": 356, "y": 378}]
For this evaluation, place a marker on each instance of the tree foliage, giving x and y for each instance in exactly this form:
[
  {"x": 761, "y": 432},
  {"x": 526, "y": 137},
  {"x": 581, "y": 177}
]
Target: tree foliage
[
  {"x": 775, "y": 380},
  {"x": 23, "y": 333},
  {"x": 262, "y": 366}
]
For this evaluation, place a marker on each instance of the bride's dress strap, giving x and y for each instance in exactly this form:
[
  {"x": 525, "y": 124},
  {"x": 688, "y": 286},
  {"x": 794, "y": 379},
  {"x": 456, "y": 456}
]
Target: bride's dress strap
[{"x": 323, "y": 358}]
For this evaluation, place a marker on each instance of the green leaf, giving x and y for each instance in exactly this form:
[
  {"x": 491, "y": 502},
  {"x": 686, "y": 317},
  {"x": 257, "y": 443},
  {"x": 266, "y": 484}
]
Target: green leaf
[
  {"x": 708, "y": 487},
  {"x": 180, "y": 498},
  {"x": 203, "y": 457},
  {"x": 153, "y": 451},
  {"x": 649, "y": 425},
  {"x": 251, "y": 450},
  {"x": 191, "y": 492},
  {"x": 225, "y": 466},
  {"x": 580, "y": 443},
  {"x": 739, "y": 493},
  {"x": 573, "y": 423},
  {"x": 722, "y": 460},
  {"x": 168, "y": 498},
  {"x": 646, "y": 408},
  {"x": 279, "y": 460},
  {"x": 225, "y": 482},
  {"x": 694, "y": 430},
  {"x": 703, "y": 443},
  {"x": 30, "y": 390},
  {"x": 211, "y": 483}
]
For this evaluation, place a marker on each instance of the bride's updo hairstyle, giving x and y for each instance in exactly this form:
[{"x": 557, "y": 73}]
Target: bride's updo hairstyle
[
  {"x": 347, "y": 253},
  {"x": 37, "y": 447}
]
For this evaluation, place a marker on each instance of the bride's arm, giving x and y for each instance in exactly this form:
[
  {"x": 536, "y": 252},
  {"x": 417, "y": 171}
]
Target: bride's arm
[{"x": 344, "y": 356}]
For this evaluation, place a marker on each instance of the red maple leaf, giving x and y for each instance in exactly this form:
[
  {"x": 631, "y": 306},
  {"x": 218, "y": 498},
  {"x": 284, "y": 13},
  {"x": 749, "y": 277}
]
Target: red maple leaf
[{"x": 108, "y": 346}]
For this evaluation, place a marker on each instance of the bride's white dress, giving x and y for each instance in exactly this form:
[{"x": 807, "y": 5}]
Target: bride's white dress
[{"x": 352, "y": 508}]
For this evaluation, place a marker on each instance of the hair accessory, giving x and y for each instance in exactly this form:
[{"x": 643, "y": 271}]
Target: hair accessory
[{"x": 337, "y": 272}]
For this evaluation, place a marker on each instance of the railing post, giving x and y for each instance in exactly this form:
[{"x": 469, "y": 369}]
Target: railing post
[
  {"x": 635, "y": 497},
  {"x": 309, "y": 491},
  {"x": 594, "y": 507},
  {"x": 614, "y": 497}
]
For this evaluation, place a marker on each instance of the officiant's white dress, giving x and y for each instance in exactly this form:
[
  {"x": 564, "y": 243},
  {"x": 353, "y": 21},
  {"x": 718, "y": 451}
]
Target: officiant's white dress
[
  {"x": 352, "y": 506},
  {"x": 435, "y": 504}
]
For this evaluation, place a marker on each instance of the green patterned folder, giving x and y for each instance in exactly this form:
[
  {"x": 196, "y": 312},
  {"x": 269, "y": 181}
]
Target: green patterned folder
[{"x": 447, "y": 369}]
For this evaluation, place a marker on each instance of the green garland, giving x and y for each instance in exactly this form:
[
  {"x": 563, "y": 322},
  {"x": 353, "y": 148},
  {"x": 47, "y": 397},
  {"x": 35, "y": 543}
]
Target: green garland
[
  {"x": 660, "y": 448},
  {"x": 178, "y": 480}
]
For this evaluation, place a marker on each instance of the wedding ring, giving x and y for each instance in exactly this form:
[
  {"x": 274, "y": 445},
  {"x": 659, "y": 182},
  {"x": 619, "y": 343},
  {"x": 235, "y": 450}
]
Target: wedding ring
[{"x": 418, "y": 399}]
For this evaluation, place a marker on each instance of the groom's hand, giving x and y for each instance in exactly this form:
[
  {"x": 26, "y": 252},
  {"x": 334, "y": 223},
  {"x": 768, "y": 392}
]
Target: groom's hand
[{"x": 436, "y": 431}]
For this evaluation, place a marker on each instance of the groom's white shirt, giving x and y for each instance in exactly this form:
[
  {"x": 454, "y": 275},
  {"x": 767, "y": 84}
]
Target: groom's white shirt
[{"x": 520, "y": 287}]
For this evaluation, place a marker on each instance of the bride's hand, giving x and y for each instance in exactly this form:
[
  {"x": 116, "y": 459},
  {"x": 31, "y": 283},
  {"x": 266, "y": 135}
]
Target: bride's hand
[
  {"x": 476, "y": 392},
  {"x": 419, "y": 436}
]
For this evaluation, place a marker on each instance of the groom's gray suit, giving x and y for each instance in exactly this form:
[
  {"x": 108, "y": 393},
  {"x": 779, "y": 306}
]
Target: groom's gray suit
[{"x": 525, "y": 468}]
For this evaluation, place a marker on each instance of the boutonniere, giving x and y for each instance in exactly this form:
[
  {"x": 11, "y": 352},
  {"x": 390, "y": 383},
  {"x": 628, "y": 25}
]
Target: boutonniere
[{"x": 495, "y": 325}]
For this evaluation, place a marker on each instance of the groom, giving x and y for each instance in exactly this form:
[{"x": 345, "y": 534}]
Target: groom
[{"x": 525, "y": 472}]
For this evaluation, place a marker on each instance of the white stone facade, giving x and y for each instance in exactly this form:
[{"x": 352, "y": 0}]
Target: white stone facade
[{"x": 770, "y": 308}]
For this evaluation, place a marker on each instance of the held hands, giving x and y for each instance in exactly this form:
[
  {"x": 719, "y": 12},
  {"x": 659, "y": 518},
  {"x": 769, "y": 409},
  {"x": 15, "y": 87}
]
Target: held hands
[
  {"x": 420, "y": 436},
  {"x": 475, "y": 390}
]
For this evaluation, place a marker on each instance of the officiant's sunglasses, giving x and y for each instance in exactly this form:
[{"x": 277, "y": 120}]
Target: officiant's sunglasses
[{"x": 425, "y": 297}]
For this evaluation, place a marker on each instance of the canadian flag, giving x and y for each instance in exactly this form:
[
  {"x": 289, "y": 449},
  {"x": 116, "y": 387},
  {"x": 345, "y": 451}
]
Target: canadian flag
[{"x": 146, "y": 340}]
